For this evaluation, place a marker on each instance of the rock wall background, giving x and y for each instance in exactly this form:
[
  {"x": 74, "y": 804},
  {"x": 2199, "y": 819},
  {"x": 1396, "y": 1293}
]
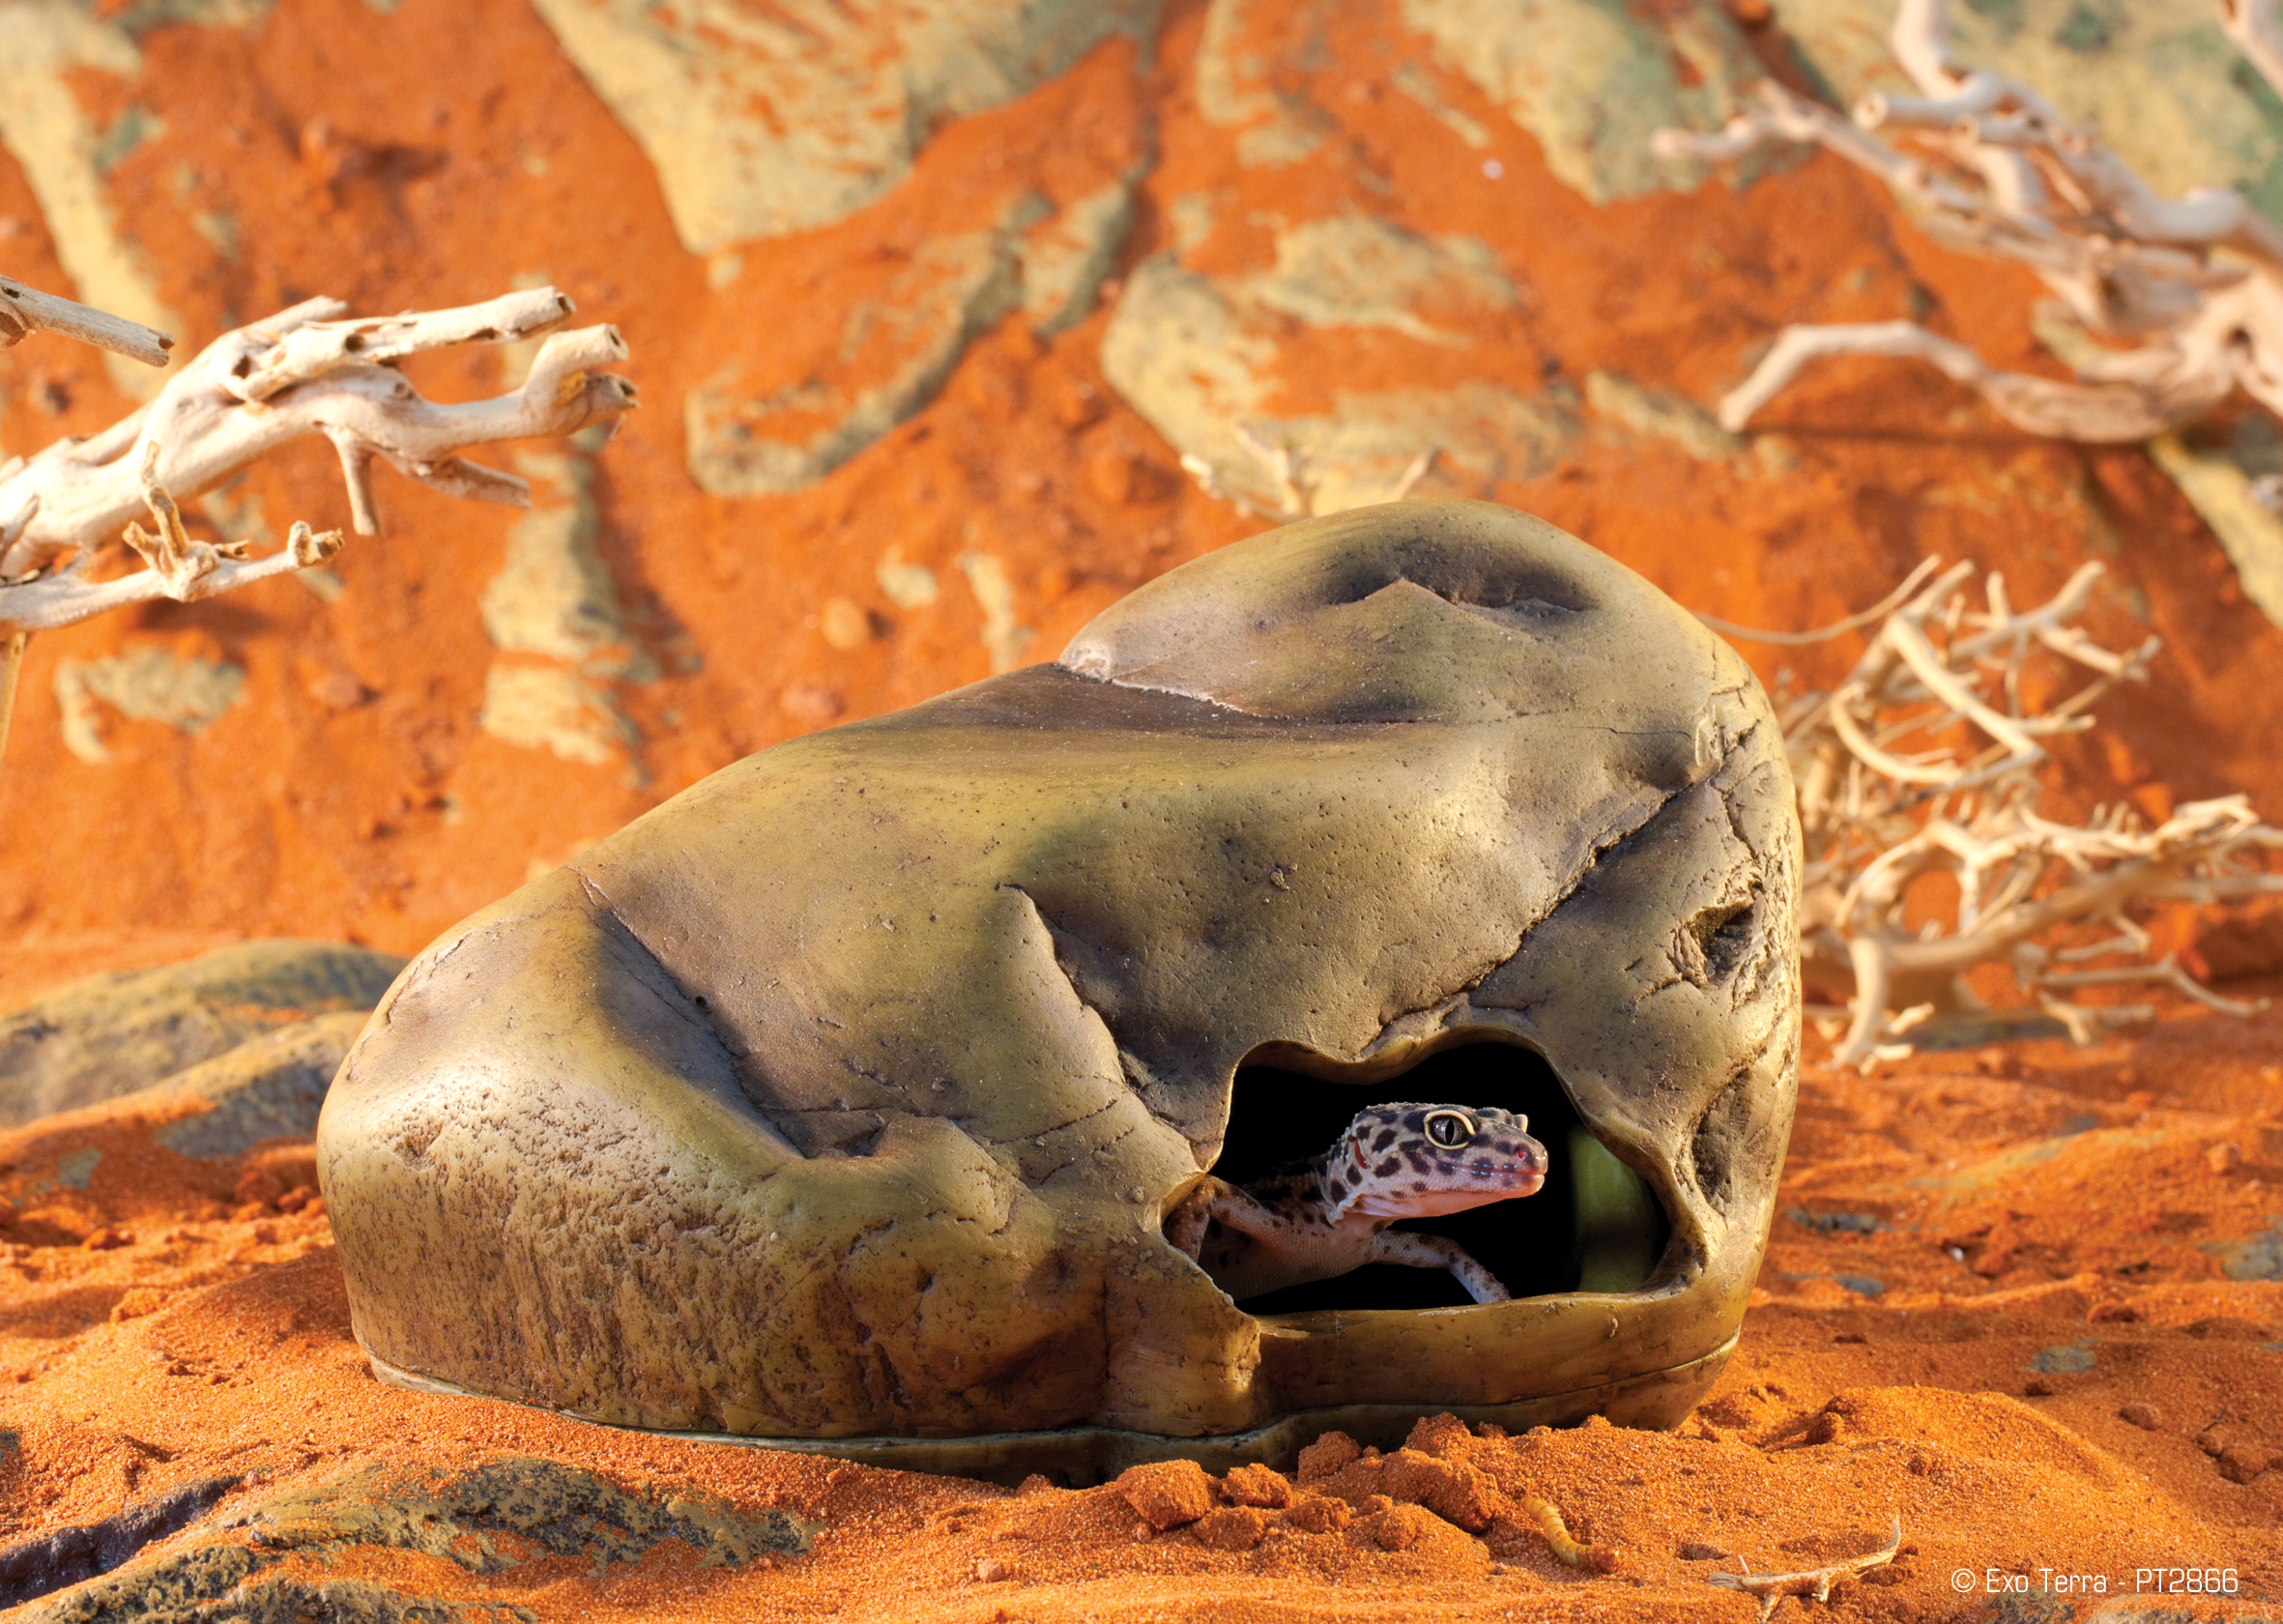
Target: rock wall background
[{"x": 927, "y": 298}]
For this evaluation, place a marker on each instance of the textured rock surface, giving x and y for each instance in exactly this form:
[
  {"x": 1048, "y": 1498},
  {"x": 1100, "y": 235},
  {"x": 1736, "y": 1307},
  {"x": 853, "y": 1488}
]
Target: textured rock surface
[
  {"x": 458, "y": 1517},
  {"x": 2165, "y": 88},
  {"x": 906, "y": 326},
  {"x": 911, "y": 336},
  {"x": 143, "y": 684},
  {"x": 1200, "y": 355},
  {"x": 768, "y": 122},
  {"x": 271, "y": 1087},
  {"x": 1592, "y": 78},
  {"x": 32, "y": 1568},
  {"x": 114, "y": 1034},
  {"x": 843, "y": 1094}
]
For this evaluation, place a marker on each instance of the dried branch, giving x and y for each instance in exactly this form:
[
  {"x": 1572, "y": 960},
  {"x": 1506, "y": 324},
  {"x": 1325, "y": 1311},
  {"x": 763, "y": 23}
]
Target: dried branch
[
  {"x": 1888, "y": 795},
  {"x": 2254, "y": 28},
  {"x": 178, "y": 568},
  {"x": 301, "y": 372},
  {"x": 1816, "y": 1583},
  {"x": 258, "y": 387},
  {"x": 24, "y": 311},
  {"x": 12, "y": 664},
  {"x": 1838, "y": 628},
  {"x": 1989, "y": 166}
]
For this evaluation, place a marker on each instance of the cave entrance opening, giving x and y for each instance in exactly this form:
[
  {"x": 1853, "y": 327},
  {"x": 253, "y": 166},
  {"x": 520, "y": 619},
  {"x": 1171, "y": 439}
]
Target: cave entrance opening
[{"x": 1596, "y": 1226}]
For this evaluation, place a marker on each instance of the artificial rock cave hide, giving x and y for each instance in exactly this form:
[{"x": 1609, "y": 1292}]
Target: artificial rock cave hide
[{"x": 841, "y": 1097}]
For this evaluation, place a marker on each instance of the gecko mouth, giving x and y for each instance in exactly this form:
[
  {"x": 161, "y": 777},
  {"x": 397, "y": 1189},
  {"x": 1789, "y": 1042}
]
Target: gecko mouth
[{"x": 1593, "y": 1225}]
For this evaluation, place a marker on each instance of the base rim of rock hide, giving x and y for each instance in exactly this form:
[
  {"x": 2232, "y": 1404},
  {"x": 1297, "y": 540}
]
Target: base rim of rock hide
[{"x": 1654, "y": 1401}]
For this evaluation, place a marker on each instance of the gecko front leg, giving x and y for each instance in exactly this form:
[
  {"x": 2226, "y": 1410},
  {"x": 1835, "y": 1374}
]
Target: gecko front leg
[
  {"x": 1439, "y": 1252},
  {"x": 1186, "y": 1225},
  {"x": 1216, "y": 1200}
]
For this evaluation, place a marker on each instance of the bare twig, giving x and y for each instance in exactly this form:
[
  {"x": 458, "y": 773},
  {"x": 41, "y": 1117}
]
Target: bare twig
[
  {"x": 12, "y": 662},
  {"x": 179, "y": 568},
  {"x": 26, "y": 311},
  {"x": 207, "y": 428},
  {"x": 1837, "y": 629},
  {"x": 1815, "y": 1583},
  {"x": 301, "y": 372},
  {"x": 2190, "y": 289}
]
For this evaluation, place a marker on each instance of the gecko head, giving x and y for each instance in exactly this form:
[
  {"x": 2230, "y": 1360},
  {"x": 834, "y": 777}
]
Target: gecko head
[{"x": 1414, "y": 1160}]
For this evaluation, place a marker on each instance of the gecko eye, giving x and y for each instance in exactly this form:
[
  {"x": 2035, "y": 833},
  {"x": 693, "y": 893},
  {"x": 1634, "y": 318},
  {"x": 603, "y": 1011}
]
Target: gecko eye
[{"x": 1449, "y": 1130}]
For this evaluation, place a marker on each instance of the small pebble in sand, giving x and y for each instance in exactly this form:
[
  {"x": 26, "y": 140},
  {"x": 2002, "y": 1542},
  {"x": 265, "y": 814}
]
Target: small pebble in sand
[
  {"x": 1320, "y": 1514},
  {"x": 1255, "y": 1486},
  {"x": 2037, "y": 1387},
  {"x": 105, "y": 1238},
  {"x": 1167, "y": 1493},
  {"x": 2223, "y": 1159},
  {"x": 1327, "y": 1455},
  {"x": 2112, "y": 1314},
  {"x": 1696, "y": 1550},
  {"x": 991, "y": 1571},
  {"x": 2146, "y": 1416}
]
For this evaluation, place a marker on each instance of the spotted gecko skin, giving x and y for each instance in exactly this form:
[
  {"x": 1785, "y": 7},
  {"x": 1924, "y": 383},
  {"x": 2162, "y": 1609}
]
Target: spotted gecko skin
[{"x": 1321, "y": 1218}]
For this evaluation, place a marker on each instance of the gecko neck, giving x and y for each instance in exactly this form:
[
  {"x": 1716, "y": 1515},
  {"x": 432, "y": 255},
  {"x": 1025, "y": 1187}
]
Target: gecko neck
[{"x": 1347, "y": 1221}]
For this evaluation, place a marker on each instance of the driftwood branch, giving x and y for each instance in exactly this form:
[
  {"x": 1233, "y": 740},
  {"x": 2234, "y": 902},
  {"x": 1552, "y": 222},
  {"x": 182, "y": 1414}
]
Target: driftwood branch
[
  {"x": 258, "y": 387},
  {"x": 1924, "y": 761},
  {"x": 177, "y": 567},
  {"x": 1816, "y": 1583},
  {"x": 303, "y": 372},
  {"x": 26, "y": 311},
  {"x": 2254, "y": 28},
  {"x": 2181, "y": 299}
]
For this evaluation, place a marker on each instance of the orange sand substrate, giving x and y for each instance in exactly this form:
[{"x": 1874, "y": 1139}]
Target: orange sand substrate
[{"x": 2043, "y": 1257}]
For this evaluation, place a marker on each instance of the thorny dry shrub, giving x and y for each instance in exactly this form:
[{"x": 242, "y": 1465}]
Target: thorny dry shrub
[
  {"x": 1922, "y": 763},
  {"x": 2189, "y": 290}
]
